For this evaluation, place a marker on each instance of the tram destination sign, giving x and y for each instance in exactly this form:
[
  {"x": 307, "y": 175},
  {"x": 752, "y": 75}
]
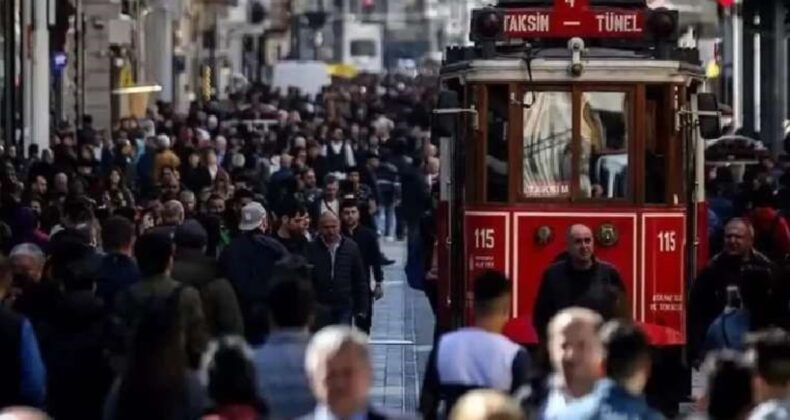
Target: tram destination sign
[{"x": 574, "y": 18}]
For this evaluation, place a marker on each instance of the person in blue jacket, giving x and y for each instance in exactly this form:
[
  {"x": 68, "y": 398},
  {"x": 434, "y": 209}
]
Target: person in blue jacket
[{"x": 627, "y": 365}]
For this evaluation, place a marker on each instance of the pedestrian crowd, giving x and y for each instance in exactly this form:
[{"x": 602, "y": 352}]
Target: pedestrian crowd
[{"x": 222, "y": 264}]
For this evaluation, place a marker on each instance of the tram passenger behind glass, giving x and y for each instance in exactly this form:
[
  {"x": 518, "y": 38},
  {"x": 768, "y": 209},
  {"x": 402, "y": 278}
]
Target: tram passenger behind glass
[{"x": 604, "y": 153}]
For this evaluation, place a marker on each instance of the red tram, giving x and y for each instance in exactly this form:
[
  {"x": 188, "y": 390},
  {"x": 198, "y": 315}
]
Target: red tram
[{"x": 565, "y": 112}]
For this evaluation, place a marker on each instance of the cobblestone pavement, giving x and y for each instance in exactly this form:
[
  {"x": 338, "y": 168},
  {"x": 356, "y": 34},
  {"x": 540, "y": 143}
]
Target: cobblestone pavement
[{"x": 400, "y": 338}]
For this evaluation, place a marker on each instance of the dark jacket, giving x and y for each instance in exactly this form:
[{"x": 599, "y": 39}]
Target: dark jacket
[
  {"x": 22, "y": 381},
  {"x": 296, "y": 245},
  {"x": 344, "y": 284},
  {"x": 220, "y": 306},
  {"x": 600, "y": 288},
  {"x": 755, "y": 278},
  {"x": 416, "y": 194},
  {"x": 74, "y": 342},
  {"x": 134, "y": 301},
  {"x": 368, "y": 243},
  {"x": 247, "y": 262},
  {"x": 117, "y": 272}
]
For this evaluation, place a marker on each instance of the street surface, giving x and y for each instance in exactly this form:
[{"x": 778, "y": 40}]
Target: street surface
[{"x": 401, "y": 337}]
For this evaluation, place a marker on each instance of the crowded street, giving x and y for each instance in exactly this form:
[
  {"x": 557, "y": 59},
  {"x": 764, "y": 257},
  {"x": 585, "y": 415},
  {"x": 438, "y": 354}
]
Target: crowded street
[{"x": 394, "y": 209}]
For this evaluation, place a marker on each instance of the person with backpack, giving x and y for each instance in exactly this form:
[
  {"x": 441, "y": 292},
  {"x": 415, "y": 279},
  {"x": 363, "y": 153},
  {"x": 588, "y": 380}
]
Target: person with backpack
[
  {"x": 772, "y": 234},
  {"x": 193, "y": 267},
  {"x": 154, "y": 253},
  {"x": 739, "y": 265}
]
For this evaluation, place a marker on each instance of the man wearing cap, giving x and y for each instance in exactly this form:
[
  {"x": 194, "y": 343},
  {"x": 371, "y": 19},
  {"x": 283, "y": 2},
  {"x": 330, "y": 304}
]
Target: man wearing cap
[
  {"x": 248, "y": 262},
  {"x": 194, "y": 268}
]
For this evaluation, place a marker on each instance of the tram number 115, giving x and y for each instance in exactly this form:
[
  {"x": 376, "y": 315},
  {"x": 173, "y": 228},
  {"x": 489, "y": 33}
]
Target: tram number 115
[
  {"x": 484, "y": 238},
  {"x": 667, "y": 241}
]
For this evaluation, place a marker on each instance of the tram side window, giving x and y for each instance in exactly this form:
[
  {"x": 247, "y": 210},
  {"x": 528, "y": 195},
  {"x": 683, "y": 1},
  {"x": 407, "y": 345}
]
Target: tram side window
[
  {"x": 547, "y": 143},
  {"x": 604, "y": 166},
  {"x": 657, "y": 137},
  {"x": 497, "y": 145}
]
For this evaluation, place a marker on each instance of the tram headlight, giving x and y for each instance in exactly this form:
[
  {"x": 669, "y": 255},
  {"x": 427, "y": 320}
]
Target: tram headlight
[
  {"x": 662, "y": 24},
  {"x": 487, "y": 25}
]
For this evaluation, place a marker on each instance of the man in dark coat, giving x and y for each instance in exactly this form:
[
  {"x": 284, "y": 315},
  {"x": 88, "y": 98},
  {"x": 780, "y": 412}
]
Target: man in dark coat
[
  {"x": 368, "y": 243},
  {"x": 739, "y": 265},
  {"x": 341, "y": 285},
  {"x": 118, "y": 268},
  {"x": 579, "y": 280},
  {"x": 75, "y": 341},
  {"x": 193, "y": 267},
  {"x": 248, "y": 262}
]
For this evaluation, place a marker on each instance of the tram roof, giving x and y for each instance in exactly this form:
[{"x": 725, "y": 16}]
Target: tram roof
[{"x": 600, "y": 65}]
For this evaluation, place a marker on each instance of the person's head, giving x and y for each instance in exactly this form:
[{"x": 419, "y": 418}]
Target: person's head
[
  {"x": 353, "y": 174},
  {"x": 253, "y": 218},
  {"x": 728, "y": 392},
  {"x": 188, "y": 200},
  {"x": 627, "y": 354},
  {"x": 581, "y": 245},
  {"x": 193, "y": 159},
  {"x": 61, "y": 182},
  {"x": 215, "y": 205},
  {"x": 154, "y": 253},
  {"x": 23, "y": 413},
  {"x": 286, "y": 160},
  {"x": 229, "y": 370},
  {"x": 27, "y": 263},
  {"x": 163, "y": 142},
  {"x": 486, "y": 404},
  {"x": 292, "y": 218},
  {"x": 309, "y": 178},
  {"x": 432, "y": 166},
  {"x": 329, "y": 227},
  {"x": 39, "y": 185},
  {"x": 338, "y": 135},
  {"x": 574, "y": 347},
  {"x": 337, "y": 363},
  {"x": 738, "y": 238},
  {"x": 770, "y": 353},
  {"x": 492, "y": 297},
  {"x": 291, "y": 304},
  {"x": 349, "y": 212},
  {"x": 331, "y": 187},
  {"x": 210, "y": 156},
  {"x": 118, "y": 235},
  {"x": 190, "y": 235},
  {"x": 173, "y": 213}
]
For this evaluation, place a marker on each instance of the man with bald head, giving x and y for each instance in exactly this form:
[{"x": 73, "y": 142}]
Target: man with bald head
[
  {"x": 576, "y": 356},
  {"x": 342, "y": 288},
  {"x": 579, "y": 279},
  {"x": 741, "y": 276}
]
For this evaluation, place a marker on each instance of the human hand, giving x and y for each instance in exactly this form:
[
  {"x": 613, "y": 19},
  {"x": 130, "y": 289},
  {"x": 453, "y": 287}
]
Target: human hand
[{"x": 378, "y": 292}]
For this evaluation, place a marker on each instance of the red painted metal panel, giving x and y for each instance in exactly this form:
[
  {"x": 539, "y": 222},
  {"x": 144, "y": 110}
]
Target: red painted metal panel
[{"x": 663, "y": 251}]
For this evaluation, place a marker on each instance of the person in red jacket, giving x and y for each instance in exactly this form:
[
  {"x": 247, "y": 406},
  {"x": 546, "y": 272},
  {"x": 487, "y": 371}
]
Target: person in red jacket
[{"x": 772, "y": 234}]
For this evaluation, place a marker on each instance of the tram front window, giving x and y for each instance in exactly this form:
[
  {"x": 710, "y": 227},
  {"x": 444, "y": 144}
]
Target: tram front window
[
  {"x": 603, "y": 169},
  {"x": 547, "y": 141}
]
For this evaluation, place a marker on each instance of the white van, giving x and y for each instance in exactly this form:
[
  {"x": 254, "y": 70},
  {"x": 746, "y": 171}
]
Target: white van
[
  {"x": 309, "y": 76},
  {"x": 363, "y": 46}
]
